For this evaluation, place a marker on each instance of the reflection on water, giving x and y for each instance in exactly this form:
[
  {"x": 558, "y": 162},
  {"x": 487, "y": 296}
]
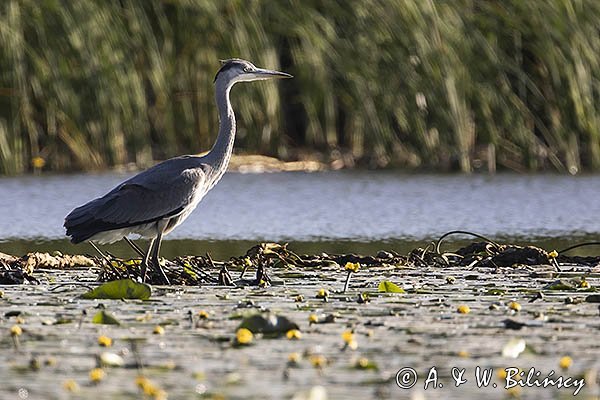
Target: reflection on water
[
  {"x": 223, "y": 250},
  {"x": 353, "y": 205}
]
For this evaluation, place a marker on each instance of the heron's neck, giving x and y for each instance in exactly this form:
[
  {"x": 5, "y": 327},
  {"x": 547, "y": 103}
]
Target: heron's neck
[{"x": 220, "y": 154}]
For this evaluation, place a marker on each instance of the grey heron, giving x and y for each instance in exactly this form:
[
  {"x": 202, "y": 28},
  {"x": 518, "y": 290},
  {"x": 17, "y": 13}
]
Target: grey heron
[{"x": 155, "y": 201}]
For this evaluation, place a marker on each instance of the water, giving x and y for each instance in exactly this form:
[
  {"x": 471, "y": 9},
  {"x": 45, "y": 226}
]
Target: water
[
  {"x": 341, "y": 208},
  {"x": 363, "y": 206}
]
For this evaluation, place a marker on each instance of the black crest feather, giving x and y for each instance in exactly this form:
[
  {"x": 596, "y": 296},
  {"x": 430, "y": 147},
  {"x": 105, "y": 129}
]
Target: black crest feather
[{"x": 228, "y": 64}]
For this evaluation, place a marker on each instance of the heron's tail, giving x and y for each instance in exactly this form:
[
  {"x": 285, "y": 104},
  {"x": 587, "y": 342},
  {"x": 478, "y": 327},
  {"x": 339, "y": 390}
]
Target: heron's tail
[{"x": 81, "y": 224}]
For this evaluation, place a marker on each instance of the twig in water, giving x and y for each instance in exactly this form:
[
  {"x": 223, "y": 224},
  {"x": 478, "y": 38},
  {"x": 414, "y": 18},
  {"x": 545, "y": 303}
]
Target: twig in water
[
  {"x": 71, "y": 284},
  {"x": 439, "y": 242},
  {"x": 576, "y": 246}
]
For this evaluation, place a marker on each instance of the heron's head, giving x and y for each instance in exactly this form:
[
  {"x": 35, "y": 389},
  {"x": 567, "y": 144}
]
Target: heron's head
[{"x": 237, "y": 70}]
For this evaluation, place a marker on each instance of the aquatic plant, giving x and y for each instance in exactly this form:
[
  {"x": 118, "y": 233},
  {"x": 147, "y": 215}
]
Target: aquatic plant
[{"x": 418, "y": 84}]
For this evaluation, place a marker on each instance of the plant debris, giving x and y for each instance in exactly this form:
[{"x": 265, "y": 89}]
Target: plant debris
[{"x": 264, "y": 257}]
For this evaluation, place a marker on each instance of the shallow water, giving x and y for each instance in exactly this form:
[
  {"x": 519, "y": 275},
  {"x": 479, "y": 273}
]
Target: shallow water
[{"x": 362, "y": 206}]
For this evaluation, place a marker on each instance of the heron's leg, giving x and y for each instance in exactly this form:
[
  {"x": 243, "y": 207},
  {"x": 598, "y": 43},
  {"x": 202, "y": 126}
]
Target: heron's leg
[
  {"x": 135, "y": 247},
  {"x": 155, "y": 260},
  {"x": 104, "y": 256},
  {"x": 97, "y": 249},
  {"x": 146, "y": 259}
]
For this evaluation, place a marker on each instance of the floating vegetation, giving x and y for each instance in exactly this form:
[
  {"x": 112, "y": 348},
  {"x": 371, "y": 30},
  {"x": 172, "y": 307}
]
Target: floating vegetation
[
  {"x": 270, "y": 325},
  {"x": 389, "y": 287},
  {"x": 105, "y": 318},
  {"x": 437, "y": 305},
  {"x": 120, "y": 289}
]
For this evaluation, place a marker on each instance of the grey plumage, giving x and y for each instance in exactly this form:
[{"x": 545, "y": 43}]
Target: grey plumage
[
  {"x": 162, "y": 191},
  {"x": 155, "y": 201}
]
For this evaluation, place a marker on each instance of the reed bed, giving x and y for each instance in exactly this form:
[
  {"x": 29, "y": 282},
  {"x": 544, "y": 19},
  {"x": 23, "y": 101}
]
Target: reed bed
[{"x": 417, "y": 84}]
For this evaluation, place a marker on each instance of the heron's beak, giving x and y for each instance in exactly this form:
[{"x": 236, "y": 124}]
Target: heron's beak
[{"x": 261, "y": 73}]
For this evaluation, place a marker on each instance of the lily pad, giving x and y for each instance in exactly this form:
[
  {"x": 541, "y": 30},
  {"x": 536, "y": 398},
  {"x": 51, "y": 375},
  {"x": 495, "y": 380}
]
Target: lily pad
[
  {"x": 268, "y": 324},
  {"x": 389, "y": 287},
  {"x": 560, "y": 285},
  {"x": 495, "y": 292},
  {"x": 121, "y": 289},
  {"x": 365, "y": 364},
  {"x": 105, "y": 318}
]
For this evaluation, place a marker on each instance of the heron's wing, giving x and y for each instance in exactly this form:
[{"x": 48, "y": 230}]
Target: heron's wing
[
  {"x": 159, "y": 192},
  {"x": 136, "y": 203}
]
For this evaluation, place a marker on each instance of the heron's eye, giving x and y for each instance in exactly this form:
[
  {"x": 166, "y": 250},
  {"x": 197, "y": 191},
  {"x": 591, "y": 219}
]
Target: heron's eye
[{"x": 247, "y": 69}]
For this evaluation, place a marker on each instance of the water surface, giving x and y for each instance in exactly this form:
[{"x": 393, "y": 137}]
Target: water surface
[
  {"x": 360, "y": 205},
  {"x": 337, "y": 207}
]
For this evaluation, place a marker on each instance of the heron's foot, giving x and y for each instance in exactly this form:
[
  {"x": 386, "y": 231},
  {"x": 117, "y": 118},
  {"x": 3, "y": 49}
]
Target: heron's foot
[
  {"x": 161, "y": 271},
  {"x": 224, "y": 277},
  {"x": 262, "y": 278}
]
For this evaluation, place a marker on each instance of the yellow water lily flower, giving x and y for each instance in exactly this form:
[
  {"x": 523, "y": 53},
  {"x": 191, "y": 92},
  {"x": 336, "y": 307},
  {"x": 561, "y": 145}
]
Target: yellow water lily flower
[
  {"x": 352, "y": 267},
  {"x": 294, "y": 358},
  {"x": 349, "y": 339},
  {"x": 463, "y": 309},
  {"x": 502, "y": 374},
  {"x": 244, "y": 336},
  {"x": 313, "y": 319},
  {"x": 16, "y": 330},
  {"x": 565, "y": 362},
  {"x": 362, "y": 362},
  {"x": 318, "y": 361},
  {"x": 50, "y": 361},
  {"x": 97, "y": 374},
  {"x": 293, "y": 334},
  {"x": 144, "y": 318},
  {"x": 146, "y": 385},
  {"x": 203, "y": 314},
  {"x": 104, "y": 341},
  {"x": 141, "y": 381},
  {"x": 71, "y": 386},
  {"x": 38, "y": 162},
  {"x": 513, "y": 305},
  {"x": 348, "y": 336},
  {"x": 158, "y": 330},
  {"x": 322, "y": 294},
  {"x": 553, "y": 254}
]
